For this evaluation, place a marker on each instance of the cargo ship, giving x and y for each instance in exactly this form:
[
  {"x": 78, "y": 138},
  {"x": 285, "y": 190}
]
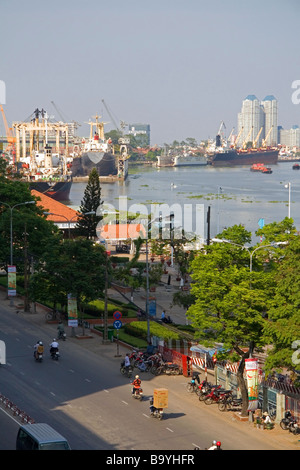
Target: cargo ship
[
  {"x": 37, "y": 164},
  {"x": 232, "y": 157},
  {"x": 95, "y": 152}
]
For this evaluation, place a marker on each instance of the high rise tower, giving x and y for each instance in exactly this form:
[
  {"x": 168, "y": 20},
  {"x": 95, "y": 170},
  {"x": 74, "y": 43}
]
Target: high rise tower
[
  {"x": 251, "y": 119},
  {"x": 270, "y": 106}
]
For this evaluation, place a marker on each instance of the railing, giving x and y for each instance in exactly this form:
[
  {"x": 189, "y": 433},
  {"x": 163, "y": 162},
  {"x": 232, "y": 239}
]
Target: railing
[{"x": 24, "y": 417}]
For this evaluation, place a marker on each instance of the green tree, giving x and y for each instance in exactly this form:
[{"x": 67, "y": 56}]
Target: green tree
[
  {"x": 231, "y": 302},
  {"x": 87, "y": 222},
  {"x": 283, "y": 324},
  {"x": 71, "y": 266}
]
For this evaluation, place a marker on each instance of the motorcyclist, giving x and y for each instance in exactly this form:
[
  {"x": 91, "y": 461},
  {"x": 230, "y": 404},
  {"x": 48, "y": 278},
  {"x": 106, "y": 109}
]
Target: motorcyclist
[
  {"x": 216, "y": 445},
  {"x": 61, "y": 329},
  {"x": 38, "y": 349},
  {"x": 53, "y": 346},
  {"x": 136, "y": 384},
  {"x": 127, "y": 362}
]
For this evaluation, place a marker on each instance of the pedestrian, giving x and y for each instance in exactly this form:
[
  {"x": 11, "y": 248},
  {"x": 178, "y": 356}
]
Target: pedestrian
[{"x": 163, "y": 316}]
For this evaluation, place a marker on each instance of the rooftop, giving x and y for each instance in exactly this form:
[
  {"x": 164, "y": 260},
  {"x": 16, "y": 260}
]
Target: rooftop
[{"x": 59, "y": 212}]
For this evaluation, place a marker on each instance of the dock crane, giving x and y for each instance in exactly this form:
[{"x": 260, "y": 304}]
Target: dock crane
[
  {"x": 238, "y": 137},
  {"x": 257, "y": 137},
  {"x": 247, "y": 138},
  {"x": 264, "y": 141},
  {"x": 229, "y": 137},
  {"x": 111, "y": 116},
  {"x": 11, "y": 139}
]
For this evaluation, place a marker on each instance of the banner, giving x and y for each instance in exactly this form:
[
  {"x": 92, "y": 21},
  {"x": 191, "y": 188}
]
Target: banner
[
  {"x": 251, "y": 367},
  {"x": 72, "y": 311},
  {"x": 12, "y": 281}
]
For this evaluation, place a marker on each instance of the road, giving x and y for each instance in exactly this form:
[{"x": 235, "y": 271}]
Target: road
[{"x": 87, "y": 400}]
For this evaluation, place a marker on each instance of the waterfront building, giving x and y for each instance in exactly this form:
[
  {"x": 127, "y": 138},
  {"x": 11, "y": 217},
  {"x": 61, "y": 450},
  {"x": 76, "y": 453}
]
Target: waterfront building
[{"x": 289, "y": 137}]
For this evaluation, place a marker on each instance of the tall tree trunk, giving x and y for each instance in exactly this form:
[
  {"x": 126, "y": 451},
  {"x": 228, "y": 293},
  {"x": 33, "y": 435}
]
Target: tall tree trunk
[{"x": 243, "y": 387}]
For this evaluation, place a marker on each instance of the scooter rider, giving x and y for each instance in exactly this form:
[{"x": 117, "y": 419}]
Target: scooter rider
[
  {"x": 38, "y": 349},
  {"x": 136, "y": 383},
  {"x": 216, "y": 445},
  {"x": 61, "y": 329},
  {"x": 53, "y": 346}
]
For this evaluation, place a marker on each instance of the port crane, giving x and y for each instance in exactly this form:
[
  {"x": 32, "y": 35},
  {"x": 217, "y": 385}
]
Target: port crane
[
  {"x": 247, "y": 138},
  {"x": 11, "y": 139},
  {"x": 264, "y": 141},
  {"x": 123, "y": 124},
  {"x": 257, "y": 137},
  {"x": 238, "y": 137}
]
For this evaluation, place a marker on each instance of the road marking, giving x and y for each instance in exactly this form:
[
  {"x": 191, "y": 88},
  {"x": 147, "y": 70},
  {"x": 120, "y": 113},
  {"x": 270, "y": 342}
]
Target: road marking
[
  {"x": 71, "y": 370},
  {"x": 169, "y": 429},
  {"x": 87, "y": 380},
  {"x": 53, "y": 394},
  {"x": 125, "y": 402},
  {"x": 104, "y": 390},
  {"x": 147, "y": 416}
]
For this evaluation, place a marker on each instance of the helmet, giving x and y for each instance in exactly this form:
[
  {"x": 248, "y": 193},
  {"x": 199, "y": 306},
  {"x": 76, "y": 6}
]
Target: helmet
[
  {"x": 54, "y": 339},
  {"x": 219, "y": 444},
  {"x": 137, "y": 376},
  {"x": 214, "y": 443},
  {"x": 40, "y": 342}
]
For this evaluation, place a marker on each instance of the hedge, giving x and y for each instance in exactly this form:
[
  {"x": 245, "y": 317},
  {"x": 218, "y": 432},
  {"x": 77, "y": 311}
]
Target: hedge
[{"x": 139, "y": 329}]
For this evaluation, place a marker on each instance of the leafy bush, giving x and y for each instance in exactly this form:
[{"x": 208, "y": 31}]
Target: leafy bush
[{"x": 139, "y": 329}]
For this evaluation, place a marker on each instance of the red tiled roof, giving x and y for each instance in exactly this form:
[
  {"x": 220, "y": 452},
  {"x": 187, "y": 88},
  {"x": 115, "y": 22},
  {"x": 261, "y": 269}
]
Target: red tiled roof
[
  {"x": 121, "y": 231},
  {"x": 61, "y": 213}
]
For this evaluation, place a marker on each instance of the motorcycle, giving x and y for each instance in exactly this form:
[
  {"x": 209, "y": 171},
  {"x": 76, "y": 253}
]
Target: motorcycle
[
  {"x": 156, "y": 412},
  {"x": 38, "y": 357},
  {"x": 62, "y": 335},
  {"x": 193, "y": 385},
  {"x": 230, "y": 404},
  {"x": 217, "y": 395},
  {"x": 54, "y": 354},
  {"x": 169, "y": 368},
  {"x": 290, "y": 424},
  {"x": 205, "y": 388},
  {"x": 138, "y": 393}
]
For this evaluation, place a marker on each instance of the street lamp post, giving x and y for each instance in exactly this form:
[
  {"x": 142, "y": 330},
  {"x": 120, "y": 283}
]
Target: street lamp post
[
  {"x": 11, "y": 230},
  {"x": 289, "y": 186},
  {"x": 69, "y": 220}
]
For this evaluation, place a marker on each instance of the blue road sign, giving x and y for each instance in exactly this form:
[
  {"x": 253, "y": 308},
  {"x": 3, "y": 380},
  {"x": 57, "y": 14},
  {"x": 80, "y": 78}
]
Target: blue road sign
[{"x": 117, "y": 324}]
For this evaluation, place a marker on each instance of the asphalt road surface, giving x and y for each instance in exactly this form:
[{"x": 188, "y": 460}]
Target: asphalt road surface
[{"x": 86, "y": 399}]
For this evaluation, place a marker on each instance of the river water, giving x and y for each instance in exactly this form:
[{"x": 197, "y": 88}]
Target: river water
[{"x": 235, "y": 195}]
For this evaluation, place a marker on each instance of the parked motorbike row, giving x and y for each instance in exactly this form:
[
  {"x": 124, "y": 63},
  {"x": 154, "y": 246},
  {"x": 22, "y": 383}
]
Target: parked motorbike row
[
  {"x": 153, "y": 363},
  {"x": 209, "y": 394}
]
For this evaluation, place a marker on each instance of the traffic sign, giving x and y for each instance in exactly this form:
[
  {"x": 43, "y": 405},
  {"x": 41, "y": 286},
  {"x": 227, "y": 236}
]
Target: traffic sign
[
  {"x": 117, "y": 324},
  {"x": 117, "y": 315}
]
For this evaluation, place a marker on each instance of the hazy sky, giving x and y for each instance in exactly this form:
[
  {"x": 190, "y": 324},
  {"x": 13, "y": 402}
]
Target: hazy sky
[{"x": 180, "y": 66}]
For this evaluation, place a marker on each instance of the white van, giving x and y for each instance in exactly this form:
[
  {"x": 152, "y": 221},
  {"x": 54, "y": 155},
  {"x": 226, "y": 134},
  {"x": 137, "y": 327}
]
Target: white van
[{"x": 40, "y": 436}]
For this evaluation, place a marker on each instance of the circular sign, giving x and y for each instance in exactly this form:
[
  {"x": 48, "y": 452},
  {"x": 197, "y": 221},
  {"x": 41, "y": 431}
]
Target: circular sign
[
  {"x": 117, "y": 324},
  {"x": 117, "y": 315}
]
